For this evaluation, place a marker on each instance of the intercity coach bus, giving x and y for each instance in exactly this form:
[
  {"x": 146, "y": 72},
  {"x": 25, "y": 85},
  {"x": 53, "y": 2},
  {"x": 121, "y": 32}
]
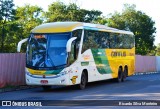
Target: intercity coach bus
[{"x": 75, "y": 53}]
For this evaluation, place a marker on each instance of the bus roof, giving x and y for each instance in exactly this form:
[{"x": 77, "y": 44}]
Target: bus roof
[{"x": 56, "y": 27}]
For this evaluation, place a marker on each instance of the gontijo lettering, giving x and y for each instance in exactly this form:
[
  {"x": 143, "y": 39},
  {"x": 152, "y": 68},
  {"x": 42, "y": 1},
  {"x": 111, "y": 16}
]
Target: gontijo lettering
[{"x": 118, "y": 53}]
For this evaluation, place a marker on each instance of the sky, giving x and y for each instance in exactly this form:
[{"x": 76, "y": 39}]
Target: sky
[{"x": 150, "y": 7}]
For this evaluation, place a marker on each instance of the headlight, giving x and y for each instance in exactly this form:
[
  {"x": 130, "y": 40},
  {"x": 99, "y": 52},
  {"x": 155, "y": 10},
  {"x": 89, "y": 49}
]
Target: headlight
[
  {"x": 63, "y": 73},
  {"x": 66, "y": 71}
]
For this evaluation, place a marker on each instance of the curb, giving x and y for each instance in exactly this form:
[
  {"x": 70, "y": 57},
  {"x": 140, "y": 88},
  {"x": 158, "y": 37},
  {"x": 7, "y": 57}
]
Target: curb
[
  {"x": 145, "y": 73},
  {"x": 16, "y": 88}
]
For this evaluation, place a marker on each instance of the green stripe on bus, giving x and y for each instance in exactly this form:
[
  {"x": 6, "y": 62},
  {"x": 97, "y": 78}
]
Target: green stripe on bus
[
  {"x": 84, "y": 63},
  {"x": 101, "y": 61},
  {"x": 54, "y": 72}
]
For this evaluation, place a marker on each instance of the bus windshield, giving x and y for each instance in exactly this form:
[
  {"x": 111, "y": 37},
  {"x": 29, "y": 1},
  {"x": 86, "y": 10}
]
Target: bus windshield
[{"x": 47, "y": 50}]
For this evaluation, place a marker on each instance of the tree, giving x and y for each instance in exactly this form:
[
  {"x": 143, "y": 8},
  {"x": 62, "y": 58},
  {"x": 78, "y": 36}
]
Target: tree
[
  {"x": 7, "y": 13},
  {"x": 158, "y": 50},
  {"x": 139, "y": 23},
  {"x": 23, "y": 21},
  {"x": 27, "y": 18},
  {"x": 91, "y": 16},
  {"x": 101, "y": 20},
  {"x": 58, "y": 11}
]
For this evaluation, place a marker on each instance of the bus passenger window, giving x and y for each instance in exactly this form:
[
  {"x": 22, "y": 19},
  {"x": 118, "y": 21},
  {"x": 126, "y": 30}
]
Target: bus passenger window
[{"x": 89, "y": 40}]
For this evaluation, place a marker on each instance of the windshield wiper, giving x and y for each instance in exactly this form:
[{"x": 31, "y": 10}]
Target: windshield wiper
[{"x": 60, "y": 66}]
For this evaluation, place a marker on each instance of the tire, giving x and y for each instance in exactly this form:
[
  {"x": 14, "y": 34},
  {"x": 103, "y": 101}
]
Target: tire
[
  {"x": 120, "y": 76},
  {"x": 46, "y": 88},
  {"x": 83, "y": 82},
  {"x": 124, "y": 75}
]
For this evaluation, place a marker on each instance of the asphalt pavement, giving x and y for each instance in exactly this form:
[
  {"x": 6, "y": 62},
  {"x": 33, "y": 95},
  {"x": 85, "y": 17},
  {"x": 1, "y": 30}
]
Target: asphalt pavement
[{"x": 137, "y": 87}]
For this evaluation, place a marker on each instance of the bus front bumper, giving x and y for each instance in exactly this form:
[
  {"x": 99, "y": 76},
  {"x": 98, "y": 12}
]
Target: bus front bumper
[{"x": 54, "y": 80}]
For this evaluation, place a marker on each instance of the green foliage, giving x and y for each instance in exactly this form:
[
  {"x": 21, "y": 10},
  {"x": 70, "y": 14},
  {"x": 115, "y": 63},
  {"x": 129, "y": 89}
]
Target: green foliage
[
  {"x": 152, "y": 52},
  {"x": 139, "y": 23},
  {"x": 158, "y": 50},
  {"x": 16, "y": 24},
  {"x": 58, "y": 11},
  {"x": 27, "y": 18},
  {"x": 101, "y": 20},
  {"x": 7, "y": 13},
  {"x": 6, "y": 10}
]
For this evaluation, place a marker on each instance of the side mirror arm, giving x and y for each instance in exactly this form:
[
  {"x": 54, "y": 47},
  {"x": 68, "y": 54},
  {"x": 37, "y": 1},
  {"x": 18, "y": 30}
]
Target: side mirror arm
[
  {"x": 69, "y": 43},
  {"x": 68, "y": 47},
  {"x": 20, "y": 44}
]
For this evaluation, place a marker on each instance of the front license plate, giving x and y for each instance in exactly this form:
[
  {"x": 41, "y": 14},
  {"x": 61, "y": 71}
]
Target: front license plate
[{"x": 44, "y": 81}]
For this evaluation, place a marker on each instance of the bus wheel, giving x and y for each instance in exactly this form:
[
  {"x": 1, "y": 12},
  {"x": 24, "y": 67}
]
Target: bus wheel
[
  {"x": 124, "y": 74},
  {"x": 46, "y": 88},
  {"x": 120, "y": 76},
  {"x": 83, "y": 81}
]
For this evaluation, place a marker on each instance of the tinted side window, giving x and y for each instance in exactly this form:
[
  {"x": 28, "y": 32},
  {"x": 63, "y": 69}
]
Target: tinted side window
[
  {"x": 114, "y": 40},
  {"x": 102, "y": 39},
  {"x": 89, "y": 40},
  {"x": 127, "y": 41},
  {"x": 121, "y": 41},
  {"x": 76, "y": 43},
  {"x": 95, "y": 40},
  {"x": 75, "y": 46}
]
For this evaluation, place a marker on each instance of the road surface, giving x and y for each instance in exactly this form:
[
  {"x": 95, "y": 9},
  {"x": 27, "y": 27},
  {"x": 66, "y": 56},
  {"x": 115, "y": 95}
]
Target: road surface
[{"x": 137, "y": 87}]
